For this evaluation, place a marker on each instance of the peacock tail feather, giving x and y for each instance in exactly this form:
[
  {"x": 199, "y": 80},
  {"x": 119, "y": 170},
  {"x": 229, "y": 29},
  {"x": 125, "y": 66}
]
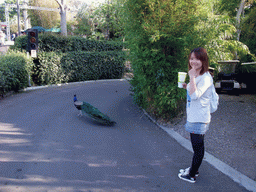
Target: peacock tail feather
[{"x": 95, "y": 113}]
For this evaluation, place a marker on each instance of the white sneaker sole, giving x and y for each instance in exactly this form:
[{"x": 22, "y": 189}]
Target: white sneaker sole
[{"x": 184, "y": 179}]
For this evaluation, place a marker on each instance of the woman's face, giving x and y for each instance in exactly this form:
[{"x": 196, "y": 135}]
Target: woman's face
[{"x": 195, "y": 63}]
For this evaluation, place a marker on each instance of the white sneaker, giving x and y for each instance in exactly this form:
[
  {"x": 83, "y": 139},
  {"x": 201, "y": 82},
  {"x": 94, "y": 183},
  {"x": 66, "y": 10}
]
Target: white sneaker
[{"x": 186, "y": 171}]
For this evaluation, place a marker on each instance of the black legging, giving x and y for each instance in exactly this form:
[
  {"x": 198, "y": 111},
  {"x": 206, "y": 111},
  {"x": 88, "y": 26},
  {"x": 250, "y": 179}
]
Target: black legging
[{"x": 198, "y": 147}]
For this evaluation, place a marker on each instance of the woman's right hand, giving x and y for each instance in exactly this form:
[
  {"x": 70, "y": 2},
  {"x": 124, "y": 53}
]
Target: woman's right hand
[
  {"x": 192, "y": 73},
  {"x": 184, "y": 85}
]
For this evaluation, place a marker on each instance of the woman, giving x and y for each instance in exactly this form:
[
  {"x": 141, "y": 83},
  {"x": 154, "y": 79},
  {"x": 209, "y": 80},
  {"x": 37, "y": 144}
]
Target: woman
[{"x": 198, "y": 108}]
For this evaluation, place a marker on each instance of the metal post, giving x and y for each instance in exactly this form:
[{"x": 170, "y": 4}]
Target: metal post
[
  {"x": 18, "y": 12},
  {"x": 7, "y": 22},
  {"x": 29, "y": 79}
]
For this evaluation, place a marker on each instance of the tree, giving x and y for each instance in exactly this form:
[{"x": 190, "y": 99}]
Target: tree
[
  {"x": 85, "y": 21},
  {"x": 49, "y": 19},
  {"x": 238, "y": 15},
  {"x": 160, "y": 34},
  {"x": 217, "y": 30},
  {"x": 104, "y": 18},
  {"x": 12, "y": 12},
  {"x": 248, "y": 30},
  {"x": 46, "y": 19},
  {"x": 235, "y": 8},
  {"x": 109, "y": 16}
]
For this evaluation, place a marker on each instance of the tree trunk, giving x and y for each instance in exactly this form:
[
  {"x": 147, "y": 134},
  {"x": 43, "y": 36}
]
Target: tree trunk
[
  {"x": 238, "y": 18},
  {"x": 238, "y": 21},
  {"x": 63, "y": 22}
]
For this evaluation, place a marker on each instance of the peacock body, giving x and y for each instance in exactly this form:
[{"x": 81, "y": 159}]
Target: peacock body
[{"x": 93, "y": 112}]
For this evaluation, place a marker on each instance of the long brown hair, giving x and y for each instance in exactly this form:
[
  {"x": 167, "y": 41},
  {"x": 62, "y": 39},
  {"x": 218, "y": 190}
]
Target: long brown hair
[{"x": 201, "y": 54}]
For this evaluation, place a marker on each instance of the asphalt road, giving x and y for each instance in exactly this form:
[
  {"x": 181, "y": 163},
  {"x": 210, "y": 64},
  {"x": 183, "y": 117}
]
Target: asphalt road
[{"x": 45, "y": 146}]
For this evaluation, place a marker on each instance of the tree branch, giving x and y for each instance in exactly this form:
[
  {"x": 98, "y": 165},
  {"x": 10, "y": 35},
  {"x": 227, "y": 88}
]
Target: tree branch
[{"x": 58, "y": 1}]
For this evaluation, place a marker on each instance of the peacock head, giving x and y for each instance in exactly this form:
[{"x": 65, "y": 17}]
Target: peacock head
[{"x": 75, "y": 99}]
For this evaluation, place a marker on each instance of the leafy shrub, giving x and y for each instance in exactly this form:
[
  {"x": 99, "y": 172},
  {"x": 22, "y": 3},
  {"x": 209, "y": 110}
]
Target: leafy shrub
[
  {"x": 20, "y": 44},
  {"x": 248, "y": 34},
  {"x": 159, "y": 38},
  {"x": 68, "y": 59},
  {"x": 14, "y": 71},
  {"x": 82, "y": 44},
  {"x": 57, "y": 43},
  {"x": 52, "y": 68},
  {"x": 81, "y": 66},
  {"x": 47, "y": 69},
  {"x": 54, "y": 43}
]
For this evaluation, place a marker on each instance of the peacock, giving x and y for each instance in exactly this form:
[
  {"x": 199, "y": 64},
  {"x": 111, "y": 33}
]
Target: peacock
[{"x": 92, "y": 112}]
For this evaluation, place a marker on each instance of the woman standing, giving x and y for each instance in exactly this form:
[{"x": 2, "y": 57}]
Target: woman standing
[{"x": 199, "y": 93}]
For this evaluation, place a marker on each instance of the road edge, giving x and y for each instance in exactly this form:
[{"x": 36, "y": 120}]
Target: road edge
[{"x": 235, "y": 175}]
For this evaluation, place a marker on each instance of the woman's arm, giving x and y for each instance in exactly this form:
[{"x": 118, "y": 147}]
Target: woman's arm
[
  {"x": 192, "y": 80},
  {"x": 193, "y": 87},
  {"x": 201, "y": 87}
]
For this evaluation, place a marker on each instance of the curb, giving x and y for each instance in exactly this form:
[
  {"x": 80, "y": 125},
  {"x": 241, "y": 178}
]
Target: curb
[{"x": 235, "y": 175}]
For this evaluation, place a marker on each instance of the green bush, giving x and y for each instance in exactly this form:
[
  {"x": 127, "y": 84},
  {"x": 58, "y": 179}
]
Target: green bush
[
  {"x": 68, "y": 59},
  {"x": 81, "y": 66},
  {"x": 52, "y": 68},
  {"x": 82, "y": 44},
  {"x": 248, "y": 33},
  {"x": 20, "y": 44},
  {"x": 56, "y": 43},
  {"x": 159, "y": 38},
  {"x": 47, "y": 69},
  {"x": 14, "y": 71}
]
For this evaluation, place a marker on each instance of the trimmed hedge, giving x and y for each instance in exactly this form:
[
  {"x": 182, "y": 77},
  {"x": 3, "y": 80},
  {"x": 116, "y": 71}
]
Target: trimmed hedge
[
  {"x": 52, "y": 68},
  {"x": 81, "y": 66},
  {"x": 47, "y": 69},
  {"x": 57, "y": 43},
  {"x": 14, "y": 71},
  {"x": 69, "y": 59}
]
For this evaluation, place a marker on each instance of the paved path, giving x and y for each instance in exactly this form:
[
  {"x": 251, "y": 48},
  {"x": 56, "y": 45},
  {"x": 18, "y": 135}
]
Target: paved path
[
  {"x": 45, "y": 146},
  {"x": 4, "y": 49}
]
